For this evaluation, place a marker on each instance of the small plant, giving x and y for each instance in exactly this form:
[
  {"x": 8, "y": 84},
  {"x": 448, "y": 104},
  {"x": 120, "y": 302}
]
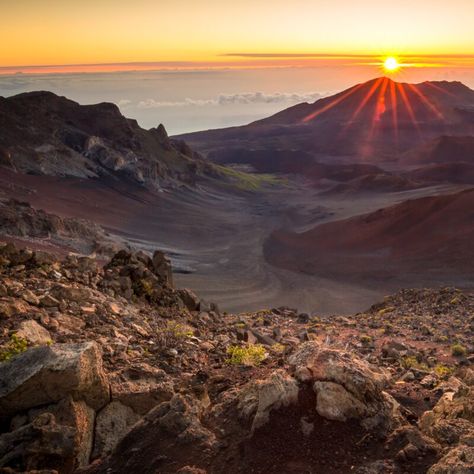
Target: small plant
[
  {"x": 443, "y": 370},
  {"x": 146, "y": 287},
  {"x": 179, "y": 330},
  {"x": 173, "y": 334},
  {"x": 278, "y": 348},
  {"x": 250, "y": 355},
  {"x": 411, "y": 362},
  {"x": 365, "y": 340},
  {"x": 15, "y": 346},
  {"x": 458, "y": 350}
]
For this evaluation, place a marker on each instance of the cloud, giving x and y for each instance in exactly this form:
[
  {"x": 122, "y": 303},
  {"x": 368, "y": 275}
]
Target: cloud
[
  {"x": 261, "y": 98},
  {"x": 232, "y": 99},
  {"x": 124, "y": 102},
  {"x": 155, "y": 104}
]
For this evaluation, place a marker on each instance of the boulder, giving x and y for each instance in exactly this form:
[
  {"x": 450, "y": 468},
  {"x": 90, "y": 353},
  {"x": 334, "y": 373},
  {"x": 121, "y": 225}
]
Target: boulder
[
  {"x": 71, "y": 293},
  {"x": 30, "y": 297},
  {"x": 410, "y": 444},
  {"x": 162, "y": 267},
  {"x": 141, "y": 388},
  {"x": 394, "y": 350},
  {"x": 451, "y": 432},
  {"x": 260, "y": 397},
  {"x": 41, "y": 444},
  {"x": 459, "y": 460},
  {"x": 263, "y": 338},
  {"x": 68, "y": 324},
  {"x": 33, "y": 332},
  {"x": 451, "y": 419},
  {"x": 47, "y": 374},
  {"x": 334, "y": 402},
  {"x": 189, "y": 298},
  {"x": 76, "y": 416},
  {"x": 346, "y": 387},
  {"x": 48, "y": 301},
  {"x": 113, "y": 422},
  {"x": 167, "y": 439}
]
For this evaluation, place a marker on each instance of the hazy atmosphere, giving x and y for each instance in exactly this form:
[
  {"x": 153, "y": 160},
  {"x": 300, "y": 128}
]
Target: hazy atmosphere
[{"x": 237, "y": 237}]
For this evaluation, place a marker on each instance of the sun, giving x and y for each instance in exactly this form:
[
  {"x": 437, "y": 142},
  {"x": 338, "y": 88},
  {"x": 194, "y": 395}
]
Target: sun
[{"x": 391, "y": 64}]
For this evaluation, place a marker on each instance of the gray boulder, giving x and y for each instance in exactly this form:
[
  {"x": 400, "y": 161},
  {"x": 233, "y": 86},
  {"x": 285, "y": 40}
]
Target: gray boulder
[{"x": 47, "y": 374}]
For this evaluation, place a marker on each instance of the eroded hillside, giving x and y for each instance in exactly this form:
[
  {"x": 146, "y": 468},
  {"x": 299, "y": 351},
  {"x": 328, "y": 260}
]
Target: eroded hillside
[{"x": 111, "y": 369}]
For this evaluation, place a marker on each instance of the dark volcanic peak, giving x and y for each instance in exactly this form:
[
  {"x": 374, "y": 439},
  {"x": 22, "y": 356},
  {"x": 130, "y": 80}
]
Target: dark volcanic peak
[
  {"x": 377, "y": 119},
  {"x": 375, "y": 98},
  {"x": 43, "y": 133}
]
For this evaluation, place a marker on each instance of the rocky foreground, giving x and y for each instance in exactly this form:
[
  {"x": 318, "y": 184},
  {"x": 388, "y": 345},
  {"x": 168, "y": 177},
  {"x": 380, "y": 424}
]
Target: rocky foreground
[{"x": 112, "y": 370}]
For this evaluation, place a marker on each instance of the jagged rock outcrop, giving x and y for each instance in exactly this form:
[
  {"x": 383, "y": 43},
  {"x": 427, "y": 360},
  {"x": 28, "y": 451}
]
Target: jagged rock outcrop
[
  {"x": 345, "y": 386},
  {"x": 20, "y": 219},
  {"x": 459, "y": 460},
  {"x": 45, "y": 134}
]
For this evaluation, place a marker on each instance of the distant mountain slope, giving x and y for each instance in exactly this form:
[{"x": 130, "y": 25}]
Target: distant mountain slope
[
  {"x": 429, "y": 102},
  {"x": 374, "y": 121},
  {"x": 444, "y": 149},
  {"x": 456, "y": 172},
  {"x": 42, "y": 133},
  {"x": 419, "y": 240}
]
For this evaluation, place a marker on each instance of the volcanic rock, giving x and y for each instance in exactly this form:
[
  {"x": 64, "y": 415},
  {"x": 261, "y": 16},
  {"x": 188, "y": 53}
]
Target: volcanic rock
[{"x": 48, "y": 374}]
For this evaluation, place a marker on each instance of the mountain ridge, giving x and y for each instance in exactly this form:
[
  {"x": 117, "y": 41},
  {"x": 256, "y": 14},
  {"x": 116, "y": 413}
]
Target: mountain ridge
[
  {"x": 371, "y": 121},
  {"x": 43, "y": 133}
]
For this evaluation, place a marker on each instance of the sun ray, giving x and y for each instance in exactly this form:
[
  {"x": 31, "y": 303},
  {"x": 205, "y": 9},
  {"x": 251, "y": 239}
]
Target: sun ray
[
  {"x": 332, "y": 104},
  {"x": 407, "y": 104},
  {"x": 426, "y": 101},
  {"x": 439, "y": 89},
  {"x": 364, "y": 101},
  {"x": 394, "y": 104},
  {"x": 380, "y": 106}
]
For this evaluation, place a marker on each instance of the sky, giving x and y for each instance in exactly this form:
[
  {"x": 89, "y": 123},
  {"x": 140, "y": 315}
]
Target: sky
[{"x": 196, "y": 64}]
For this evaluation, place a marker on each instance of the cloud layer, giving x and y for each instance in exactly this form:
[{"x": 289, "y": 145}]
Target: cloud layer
[{"x": 231, "y": 99}]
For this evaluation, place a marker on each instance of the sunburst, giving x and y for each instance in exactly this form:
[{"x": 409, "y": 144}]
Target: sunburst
[{"x": 391, "y": 64}]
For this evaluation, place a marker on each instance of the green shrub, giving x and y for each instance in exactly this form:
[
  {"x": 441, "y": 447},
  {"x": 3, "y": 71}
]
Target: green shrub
[
  {"x": 15, "y": 346},
  {"x": 278, "y": 348},
  {"x": 179, "y": 330},
  {"x": 411, "y": 362},
  {"x": 365, "y": 340},
  {"x": 251, "y": 355},
  {"x": 443, "y": 370},
  {"x": 458, "y": 350}
]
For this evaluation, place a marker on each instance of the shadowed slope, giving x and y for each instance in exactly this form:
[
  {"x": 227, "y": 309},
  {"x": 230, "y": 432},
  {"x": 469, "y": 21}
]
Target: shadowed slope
[{"x": 427, "y": 239}]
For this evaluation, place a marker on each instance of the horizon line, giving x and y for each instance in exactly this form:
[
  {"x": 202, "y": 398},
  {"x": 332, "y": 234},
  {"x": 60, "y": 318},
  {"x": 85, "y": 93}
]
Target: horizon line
[{"x": 306, "y": 60}]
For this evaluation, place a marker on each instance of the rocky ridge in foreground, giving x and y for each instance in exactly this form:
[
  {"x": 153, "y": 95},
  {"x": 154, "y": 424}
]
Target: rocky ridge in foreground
[{"x": 112, "y": 370}]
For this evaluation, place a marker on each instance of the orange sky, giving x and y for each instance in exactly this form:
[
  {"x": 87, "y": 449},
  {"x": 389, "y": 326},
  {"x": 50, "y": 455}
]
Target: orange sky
[{"x": 180, "y": 32}]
